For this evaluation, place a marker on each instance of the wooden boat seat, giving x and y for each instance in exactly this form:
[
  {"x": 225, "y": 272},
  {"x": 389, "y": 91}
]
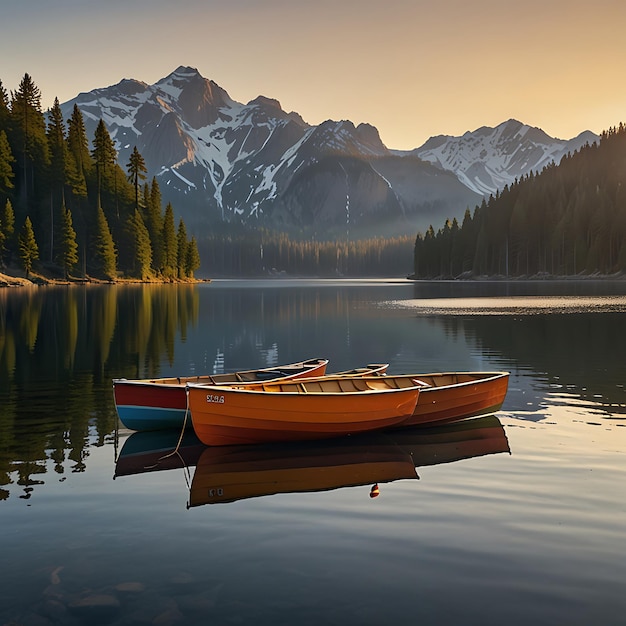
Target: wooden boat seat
[
  {"x": 360, "y": 385},
  {"x": 383, "y": 383},
  {"x": 347, "y": 385}
]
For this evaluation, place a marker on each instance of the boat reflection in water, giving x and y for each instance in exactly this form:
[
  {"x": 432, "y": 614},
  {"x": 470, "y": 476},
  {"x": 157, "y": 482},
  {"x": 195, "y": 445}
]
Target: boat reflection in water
[
  {"x": 158, "y": 450},
  {"x": 230, "y": 473}
]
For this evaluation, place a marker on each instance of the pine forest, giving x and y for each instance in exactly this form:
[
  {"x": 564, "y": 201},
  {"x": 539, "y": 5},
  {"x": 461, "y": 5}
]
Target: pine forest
[
  {"x": 569, "y": 219},
  {"x": 68, "y": 207}
]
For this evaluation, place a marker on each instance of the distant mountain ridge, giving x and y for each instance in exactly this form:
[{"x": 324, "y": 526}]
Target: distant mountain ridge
[
  {"x": 487, "y": 159},
  {"x": 220, "y": 161}
]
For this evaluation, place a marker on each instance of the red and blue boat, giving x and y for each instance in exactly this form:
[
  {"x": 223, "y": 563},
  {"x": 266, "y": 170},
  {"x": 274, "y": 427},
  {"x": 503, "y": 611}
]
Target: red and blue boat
[{"x": 158, "y": 403}]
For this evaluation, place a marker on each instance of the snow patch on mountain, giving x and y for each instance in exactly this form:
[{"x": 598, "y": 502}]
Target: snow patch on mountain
[
  {"x": 218, "y": 159},
  {"x": 487, "y": 159}
]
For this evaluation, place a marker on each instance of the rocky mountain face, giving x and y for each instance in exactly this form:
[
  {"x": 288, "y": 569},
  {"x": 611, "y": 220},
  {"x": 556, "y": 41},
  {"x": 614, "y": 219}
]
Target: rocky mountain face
[
  {"x": 222, "y": 162},
  {"x": 490, "y": 158}
]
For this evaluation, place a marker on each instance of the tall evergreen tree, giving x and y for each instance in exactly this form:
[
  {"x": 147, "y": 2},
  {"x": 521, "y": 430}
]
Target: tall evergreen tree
[
  {"x": 181, "y": 248},
  {"x": 6, "y": 168},
  {"x": 170, "y": 244},
  {"x": 58, "y": 167},
  {"x": 4, "y": 108},
  {"x": 105, "y": 255},
  {"x": 154, "y": 223},
  {"x": 141, "y": 249},
  {"x": 58, "y": 150},
  {"x": 7, "y": 229},
  {"x": 145, "y": 202},
  {"x": 28, "y": 139},
  {"x": 192, "y": 259},
  {"x": 104, "y": 156},
  {"x": 28, "y": 249},
  {"x": 78, "y": 146},
  {"x": 137, "y": 170},
  {"x": 69, "y": 247}
]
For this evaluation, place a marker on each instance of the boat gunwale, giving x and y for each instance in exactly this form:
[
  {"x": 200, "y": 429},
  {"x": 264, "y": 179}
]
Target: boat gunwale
[
  {"x": 315, "y": 363},
  {"x": 489, "y": 376},
  {"x": 319, "y": 393}
]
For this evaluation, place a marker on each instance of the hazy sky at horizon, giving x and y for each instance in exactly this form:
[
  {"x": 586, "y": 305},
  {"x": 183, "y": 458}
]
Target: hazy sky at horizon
[{"x": 412, "y": 68}]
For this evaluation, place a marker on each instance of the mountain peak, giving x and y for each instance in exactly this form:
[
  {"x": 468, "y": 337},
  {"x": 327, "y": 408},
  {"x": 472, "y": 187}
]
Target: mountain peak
[
  {"x": 199, "y": 98},
  {"x": 185, "y": 71},
  {"x": 263, "y": 101},
  {"x": 488, "y": 158}
]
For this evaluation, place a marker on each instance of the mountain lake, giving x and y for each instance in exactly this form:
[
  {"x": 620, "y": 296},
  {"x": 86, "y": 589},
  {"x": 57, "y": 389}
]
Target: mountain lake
[{"x": 517, "y": 517}]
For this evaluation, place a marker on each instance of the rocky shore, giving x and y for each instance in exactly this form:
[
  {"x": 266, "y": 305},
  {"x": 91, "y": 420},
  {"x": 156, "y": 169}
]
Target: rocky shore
[{"x": 18, "y": 278}]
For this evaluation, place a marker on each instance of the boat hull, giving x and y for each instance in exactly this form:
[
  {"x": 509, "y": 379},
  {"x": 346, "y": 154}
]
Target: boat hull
[
  {"x": 151, "y": 407},
  {"x": 459, "y": 395},
  {"x": 161, "y": 403},
  {"x": 229, "y": 416}
]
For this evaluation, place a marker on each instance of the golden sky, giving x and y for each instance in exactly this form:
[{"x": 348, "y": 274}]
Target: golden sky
[{"x": 413, "y": 69}]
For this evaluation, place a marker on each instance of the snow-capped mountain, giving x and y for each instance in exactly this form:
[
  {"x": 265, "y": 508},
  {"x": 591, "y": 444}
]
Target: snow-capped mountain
[
  {"x": 490, "y": 158},
  {"x": 220, "y": 161}
]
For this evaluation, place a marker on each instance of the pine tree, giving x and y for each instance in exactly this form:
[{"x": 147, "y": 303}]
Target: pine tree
[
  {"x": 105, "y": 255},
  {"x": 6, "y": 169},
  {"x": 78, "y": 147},
  {"x": 181, "y": 248},
  {"x": 28, "y": 249},
  {"x": 69, "y": 247},
  {"x": 192, "y": 260},
  {"x": 145, "y": 202},
  {"x": 7, "y": 229},
  {"x": 137, "y": 170},
  {"x": 104, "y": 156},
  {"x": 4, "y": 108},
  {"x": 170, "y": 244},
  {"x": 28, "y": 138},
  {"x": 142, "y": 251},
  {"x": 58, "y": 171},
  {"x": 154, "y": 223}
]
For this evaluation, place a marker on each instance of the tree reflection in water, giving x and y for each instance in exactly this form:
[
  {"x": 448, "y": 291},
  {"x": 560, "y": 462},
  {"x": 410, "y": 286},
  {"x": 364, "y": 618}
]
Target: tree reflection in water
[{"x": 59, "y": 349}]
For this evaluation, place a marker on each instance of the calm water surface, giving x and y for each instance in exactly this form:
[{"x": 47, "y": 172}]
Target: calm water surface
[{"x": 517, "y": 518}]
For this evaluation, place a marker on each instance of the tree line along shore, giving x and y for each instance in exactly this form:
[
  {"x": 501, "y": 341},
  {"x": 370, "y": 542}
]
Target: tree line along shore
[{"x": 71, "y": 213}]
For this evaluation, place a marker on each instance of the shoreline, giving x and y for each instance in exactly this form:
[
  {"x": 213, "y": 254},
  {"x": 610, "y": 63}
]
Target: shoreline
[
  {"x": 538, "y": 278},
  {"x": 17, "y": 279}
]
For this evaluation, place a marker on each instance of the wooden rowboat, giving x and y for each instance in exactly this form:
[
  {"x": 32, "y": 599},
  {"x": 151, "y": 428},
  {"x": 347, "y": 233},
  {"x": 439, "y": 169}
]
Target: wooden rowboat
[
  {"x": 232, "y": 473},
  {"x": 156, "y": 403},
  {"x": 296, "y": 410},
  {"x": 447, "y": 397}
]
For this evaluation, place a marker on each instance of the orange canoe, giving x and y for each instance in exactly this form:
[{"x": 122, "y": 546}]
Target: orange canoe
[
  {"x": 157, "y": 403},
  {"x": 446, "y": 397},
  {"x": 300, "y": 409}
]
